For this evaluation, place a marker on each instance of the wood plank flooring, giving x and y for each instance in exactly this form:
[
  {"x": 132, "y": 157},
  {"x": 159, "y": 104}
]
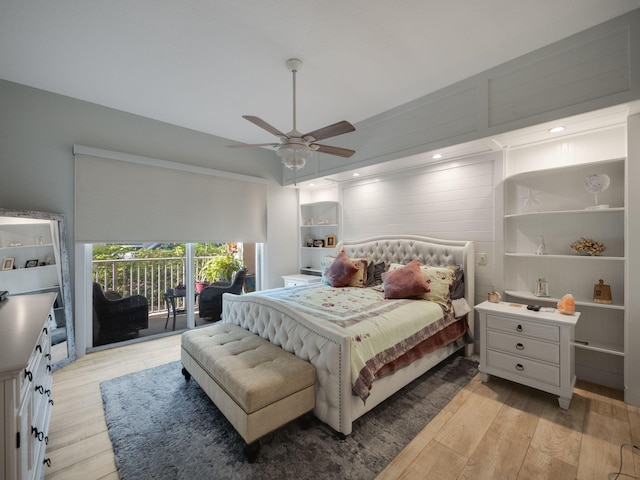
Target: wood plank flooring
[{"x": 498, "y": 430}]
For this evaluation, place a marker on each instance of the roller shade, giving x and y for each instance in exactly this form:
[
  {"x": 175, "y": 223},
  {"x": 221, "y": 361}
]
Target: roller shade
[{"x": 131, "y": 199}]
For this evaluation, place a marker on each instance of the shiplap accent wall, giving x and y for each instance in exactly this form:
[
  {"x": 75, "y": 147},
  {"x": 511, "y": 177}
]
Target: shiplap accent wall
[
  {"x": 448, "y": 200},
  {"x": 452, "y": 200}
]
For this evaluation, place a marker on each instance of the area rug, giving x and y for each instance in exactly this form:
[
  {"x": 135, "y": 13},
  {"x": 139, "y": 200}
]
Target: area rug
[{"x": 163, "y": 427}]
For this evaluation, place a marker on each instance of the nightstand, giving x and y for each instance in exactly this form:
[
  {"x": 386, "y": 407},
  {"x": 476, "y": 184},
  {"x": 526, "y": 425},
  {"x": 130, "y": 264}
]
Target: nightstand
[
  {"x": 300, "y": 279},
  {"x": 527, "y": 347}
]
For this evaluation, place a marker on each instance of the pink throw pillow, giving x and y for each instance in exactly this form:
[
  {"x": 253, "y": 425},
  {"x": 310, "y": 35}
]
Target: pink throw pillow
[
  {"x": 341, "y": 271},
  {"x": 404, "y": 282}
]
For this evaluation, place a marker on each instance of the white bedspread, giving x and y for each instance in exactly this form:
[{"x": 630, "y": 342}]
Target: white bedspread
[{"x": 381, "y": 330}]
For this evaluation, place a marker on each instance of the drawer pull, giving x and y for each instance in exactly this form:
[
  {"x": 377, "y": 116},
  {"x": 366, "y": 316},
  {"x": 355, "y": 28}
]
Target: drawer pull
[
  {"x": 45, "y": 329},
  {"x": 51, "y": 402},
  {"x": 28, "y": 374},
  {"x": 47, "y": 462},
  {"x": 519, "y": 346},
  {"x": 519, "y": 328},
  {"x": 37, "y": 434},
  {"x": 39, "y": 389},
  {"x": 519, "y": 367},
  {"x": 39, "y": 348}
]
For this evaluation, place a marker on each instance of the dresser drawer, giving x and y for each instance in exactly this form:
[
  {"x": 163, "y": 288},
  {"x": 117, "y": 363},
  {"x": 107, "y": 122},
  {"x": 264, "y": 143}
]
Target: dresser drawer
[
  {"x": 523, "y": 327},
  {"x": 522, "y": 346},
  {"x": 524, "y": 367}
]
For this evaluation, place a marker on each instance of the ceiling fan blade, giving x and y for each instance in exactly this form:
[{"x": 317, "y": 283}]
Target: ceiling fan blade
[
  {"x": 262, "y": 124},
  {"x": 239, "y": 145},
  {"x": 340, "y": 152},
  {"x": 331, "y": 131}
]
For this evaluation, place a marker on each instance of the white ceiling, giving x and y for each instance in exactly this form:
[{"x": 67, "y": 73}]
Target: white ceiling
[{"x": 202, "y": 64}]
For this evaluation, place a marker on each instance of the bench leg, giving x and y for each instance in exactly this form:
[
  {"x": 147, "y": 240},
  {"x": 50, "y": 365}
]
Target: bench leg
[
  {"x": 187, "y": 375},
  {"x": 251, "y": 451}
]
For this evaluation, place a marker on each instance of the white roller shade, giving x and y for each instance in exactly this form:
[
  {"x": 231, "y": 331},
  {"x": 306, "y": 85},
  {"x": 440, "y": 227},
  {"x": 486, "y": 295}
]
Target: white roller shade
[{"x": 132, "y": 199}]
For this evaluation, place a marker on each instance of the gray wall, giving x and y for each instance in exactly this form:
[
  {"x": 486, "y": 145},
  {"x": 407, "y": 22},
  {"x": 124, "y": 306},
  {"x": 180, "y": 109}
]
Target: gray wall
[{"x": 38, "y": 130}]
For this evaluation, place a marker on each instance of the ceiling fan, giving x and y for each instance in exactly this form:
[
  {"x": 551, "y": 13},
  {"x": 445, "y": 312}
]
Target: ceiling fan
[{"x": 295, "y": 148}]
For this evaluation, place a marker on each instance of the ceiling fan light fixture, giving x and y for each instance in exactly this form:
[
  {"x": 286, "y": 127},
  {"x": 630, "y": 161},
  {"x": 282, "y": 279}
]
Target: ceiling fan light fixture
[{"x": 294, "y": 156}]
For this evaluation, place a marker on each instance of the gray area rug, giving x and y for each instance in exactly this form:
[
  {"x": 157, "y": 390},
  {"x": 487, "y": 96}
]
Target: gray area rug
[{"x": 163, "y": 427}]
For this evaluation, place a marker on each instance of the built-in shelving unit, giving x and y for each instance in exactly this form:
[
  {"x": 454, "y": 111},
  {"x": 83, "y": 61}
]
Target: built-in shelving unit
[
  {"x": 552, "y": 207},
  {"x": 318, "y": 221}
]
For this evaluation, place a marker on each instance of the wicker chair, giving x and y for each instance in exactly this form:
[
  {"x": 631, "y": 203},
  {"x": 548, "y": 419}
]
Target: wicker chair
[
  {"x": 118, "y": 318},
  {"x": 210, "y": 298}
]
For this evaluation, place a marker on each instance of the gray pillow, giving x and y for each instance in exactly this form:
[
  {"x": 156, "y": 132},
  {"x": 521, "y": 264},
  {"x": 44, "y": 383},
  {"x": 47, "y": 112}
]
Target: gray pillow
[
  {"x": 374, "y": 273},
  {"x": 457, "y": 287}
]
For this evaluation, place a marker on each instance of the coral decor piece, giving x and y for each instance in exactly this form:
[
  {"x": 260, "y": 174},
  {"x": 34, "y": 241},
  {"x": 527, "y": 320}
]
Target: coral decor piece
[
  {"x": 587, "y": 246},
  {"x": 567, "y": 305}
]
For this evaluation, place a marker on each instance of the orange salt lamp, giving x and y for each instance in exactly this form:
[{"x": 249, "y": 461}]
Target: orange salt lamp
[{"x": 567, "y": 305}]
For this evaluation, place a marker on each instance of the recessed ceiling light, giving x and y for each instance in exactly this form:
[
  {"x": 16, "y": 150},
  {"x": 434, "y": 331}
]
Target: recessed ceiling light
[
  {"x": 312, "y": 184},
  {"x": 437, "y": 156},
  {"x": 556, "y": 129},
  {"x": 356, "y": 174}
]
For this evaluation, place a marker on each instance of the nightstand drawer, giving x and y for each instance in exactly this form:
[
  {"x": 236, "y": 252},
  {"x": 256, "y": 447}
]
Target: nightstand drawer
[
  {"x": 522, "y": 346},
  {"x": 524, "y": 367},
  {"x": 523, "y": 327}
]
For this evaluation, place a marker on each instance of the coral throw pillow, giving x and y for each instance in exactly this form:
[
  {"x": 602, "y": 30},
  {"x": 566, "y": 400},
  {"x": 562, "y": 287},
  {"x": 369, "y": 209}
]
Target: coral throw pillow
[
  {"x": 404, "y": 282},
  {"x": 341, "y": 270}
]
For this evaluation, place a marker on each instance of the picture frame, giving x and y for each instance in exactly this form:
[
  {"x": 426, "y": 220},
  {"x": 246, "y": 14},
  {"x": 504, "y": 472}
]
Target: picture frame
[
  {"x": 31, "y": 263},
  {"x": 330, "y": 241},
  {"x": 7, "y": 263}
]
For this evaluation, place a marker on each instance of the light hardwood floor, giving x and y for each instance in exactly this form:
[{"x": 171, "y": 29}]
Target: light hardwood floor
[{"x": 498, "y": 430}]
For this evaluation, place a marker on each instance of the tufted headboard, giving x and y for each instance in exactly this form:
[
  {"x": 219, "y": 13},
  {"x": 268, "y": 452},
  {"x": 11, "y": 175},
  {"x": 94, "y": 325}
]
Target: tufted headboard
[{"x": 430, "y": 251}]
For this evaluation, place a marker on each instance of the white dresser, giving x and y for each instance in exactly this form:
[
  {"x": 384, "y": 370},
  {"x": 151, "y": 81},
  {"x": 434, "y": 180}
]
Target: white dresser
[
  {"x": 25, "y": 384},
  {"x": 531, "y": 348}
]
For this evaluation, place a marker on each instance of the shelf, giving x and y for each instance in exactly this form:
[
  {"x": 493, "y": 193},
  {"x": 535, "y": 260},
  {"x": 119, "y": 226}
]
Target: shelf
[
  {"x": 47, "y": 245},
  {"x": 584, "y": 303},
  {"x": 319, "y": 225},
  {"x": 600, "y": 347},
  {"x": 567, "y": 212},
  {"x": 31, "y": 269},
  {"x": 331, "y": 249},
  {"x": 555, "y": 171},
  {"x": 580, "y": 257}
]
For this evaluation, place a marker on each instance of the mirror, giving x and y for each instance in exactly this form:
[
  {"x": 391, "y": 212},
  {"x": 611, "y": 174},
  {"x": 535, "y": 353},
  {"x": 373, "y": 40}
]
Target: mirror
[{"x": 35, "y": 259}]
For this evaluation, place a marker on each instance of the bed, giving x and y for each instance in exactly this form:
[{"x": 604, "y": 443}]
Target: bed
[{"x": 331, "y": 348}]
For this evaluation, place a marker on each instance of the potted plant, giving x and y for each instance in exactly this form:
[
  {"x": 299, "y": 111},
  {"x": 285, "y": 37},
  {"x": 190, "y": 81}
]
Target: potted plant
[{"x": 218, "y": 268}]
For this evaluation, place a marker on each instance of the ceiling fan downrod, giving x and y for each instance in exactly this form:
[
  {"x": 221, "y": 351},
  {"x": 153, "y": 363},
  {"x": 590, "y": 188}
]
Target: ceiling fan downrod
[{"x": 294, "y": 65}]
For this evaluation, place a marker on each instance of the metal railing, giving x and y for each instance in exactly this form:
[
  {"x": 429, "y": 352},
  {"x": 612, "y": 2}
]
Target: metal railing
[{"x": 149, "y": 277}]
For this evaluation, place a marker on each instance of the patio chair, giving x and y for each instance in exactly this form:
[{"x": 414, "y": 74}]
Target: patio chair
[
  {"x": 210, "y": 298},
  {"x": 118, "y": 318}
]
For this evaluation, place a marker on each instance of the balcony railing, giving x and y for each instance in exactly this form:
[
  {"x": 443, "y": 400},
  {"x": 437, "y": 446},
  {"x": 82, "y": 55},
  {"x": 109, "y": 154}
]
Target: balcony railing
[{"x": 149, "y": 277}]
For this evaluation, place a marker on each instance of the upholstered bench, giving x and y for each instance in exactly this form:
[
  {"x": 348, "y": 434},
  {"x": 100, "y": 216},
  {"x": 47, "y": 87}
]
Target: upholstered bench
[{"x": 256, "y": 385}]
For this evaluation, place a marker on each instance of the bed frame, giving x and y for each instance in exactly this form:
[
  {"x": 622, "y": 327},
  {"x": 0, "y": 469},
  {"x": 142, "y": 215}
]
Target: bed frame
[{"x": 329, "y": 350}]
